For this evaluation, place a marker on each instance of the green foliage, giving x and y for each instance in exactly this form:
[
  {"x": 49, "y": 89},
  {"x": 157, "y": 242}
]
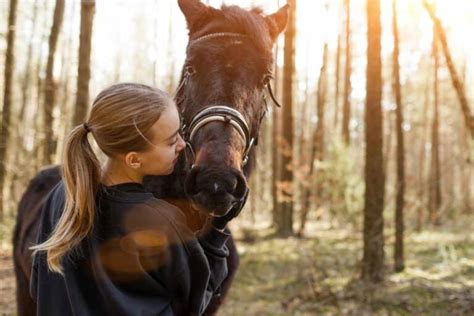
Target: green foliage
[{"x": 342, "y": 184}]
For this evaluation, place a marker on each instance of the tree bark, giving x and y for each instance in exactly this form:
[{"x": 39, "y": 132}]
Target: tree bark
[
  {"x": 84, "y": 71},
  {"x": 346, "y": 111},
  {"x": 400, "y": 201},
  {"x": 49, "y": 145},
  {"x": 285, "y": 218},
  {"x": 7, "y": 95},
  {"x": 373, "y": 258},
  {"x": 457, "y": 83}
]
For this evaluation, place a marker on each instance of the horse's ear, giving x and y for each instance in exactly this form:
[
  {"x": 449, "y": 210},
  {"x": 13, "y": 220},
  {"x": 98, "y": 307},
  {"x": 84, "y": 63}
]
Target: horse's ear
[
  {"x": 192, "y": 10},
  {"x": 277, "y": 21}
]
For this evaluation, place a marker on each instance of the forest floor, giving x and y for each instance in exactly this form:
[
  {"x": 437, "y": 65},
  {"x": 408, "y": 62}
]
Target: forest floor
[{"x": 318, "y": 275}]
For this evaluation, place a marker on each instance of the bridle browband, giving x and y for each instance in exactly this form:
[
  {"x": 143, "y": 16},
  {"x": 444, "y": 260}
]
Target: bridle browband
[{"x": 218, "y": 113}]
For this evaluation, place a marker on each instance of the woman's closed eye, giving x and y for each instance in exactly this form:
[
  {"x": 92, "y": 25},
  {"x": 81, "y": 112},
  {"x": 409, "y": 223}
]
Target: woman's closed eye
[{"x": 175, "y": 140}]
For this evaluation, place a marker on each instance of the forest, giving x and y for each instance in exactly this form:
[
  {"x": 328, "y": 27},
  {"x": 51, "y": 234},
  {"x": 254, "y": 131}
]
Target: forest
[{"x": 362, "y": 195}]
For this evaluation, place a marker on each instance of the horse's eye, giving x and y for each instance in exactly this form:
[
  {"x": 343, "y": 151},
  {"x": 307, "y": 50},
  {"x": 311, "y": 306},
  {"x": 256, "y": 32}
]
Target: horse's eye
[{"x": 190, "y": 70}]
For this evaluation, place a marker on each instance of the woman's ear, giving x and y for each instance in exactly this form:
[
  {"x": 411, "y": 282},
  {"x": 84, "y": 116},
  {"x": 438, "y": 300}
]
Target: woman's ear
[
  {"x": 132, "y": 160},
  {"x": 277, "y": 21}
]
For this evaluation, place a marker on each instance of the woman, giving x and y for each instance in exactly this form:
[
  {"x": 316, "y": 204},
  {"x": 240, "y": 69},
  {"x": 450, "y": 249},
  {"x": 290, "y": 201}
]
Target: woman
[{"x": 106, "y": 246}]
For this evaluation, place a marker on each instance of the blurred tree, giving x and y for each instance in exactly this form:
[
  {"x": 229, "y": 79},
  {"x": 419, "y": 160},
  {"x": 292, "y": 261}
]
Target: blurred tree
[
  {"x": 400, "y": 200},
  {"x": 434, "y": 197},
  {"x": 84, "y": 68},
  {"x": 49, "y": 145},
  {"x": 317, "y": 142},
  {"x": 7, "y": 96},
  {"x": 337, "y": 80},
  {"x": 346, "y": 110},
  {"x": 457, "y": 83},
  {"x": 64, "y": 105},
  {"x": 421, "y": 159},
  {"x": 285, "y": 212},
  {"x": 276, "y": 139},
  {"x": 373, "y": 258},
  {"x": 25, "y": 82},
  {"x": 38, "y": 120},
  {"x": 20, "y": 153}
]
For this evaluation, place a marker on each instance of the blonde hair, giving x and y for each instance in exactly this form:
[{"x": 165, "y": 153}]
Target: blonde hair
[{"x": 120, "y": 119}]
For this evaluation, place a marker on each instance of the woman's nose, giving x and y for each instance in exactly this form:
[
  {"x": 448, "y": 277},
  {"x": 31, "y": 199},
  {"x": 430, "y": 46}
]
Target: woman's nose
[{"x": 181, "y": 144}]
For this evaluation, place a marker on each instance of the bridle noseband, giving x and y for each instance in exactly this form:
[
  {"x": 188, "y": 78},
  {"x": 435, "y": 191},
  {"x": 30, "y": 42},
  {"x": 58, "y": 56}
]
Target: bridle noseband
[{"x": 218, "y": 112}]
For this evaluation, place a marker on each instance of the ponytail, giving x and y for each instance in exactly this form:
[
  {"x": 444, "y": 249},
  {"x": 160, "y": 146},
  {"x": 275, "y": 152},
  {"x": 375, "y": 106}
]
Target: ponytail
[{"x": 81, "y": 176}]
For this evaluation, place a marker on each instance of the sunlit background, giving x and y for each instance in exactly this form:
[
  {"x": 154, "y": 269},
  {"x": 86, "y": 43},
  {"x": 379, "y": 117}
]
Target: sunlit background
[{"x": 145, "y": 41}]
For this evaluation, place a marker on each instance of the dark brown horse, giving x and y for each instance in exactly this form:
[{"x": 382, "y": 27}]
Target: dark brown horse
[{"x": 221, "y": 98}]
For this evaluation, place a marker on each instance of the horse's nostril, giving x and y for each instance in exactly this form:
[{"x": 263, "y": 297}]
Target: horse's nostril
[{"x": 241, "y": 185}]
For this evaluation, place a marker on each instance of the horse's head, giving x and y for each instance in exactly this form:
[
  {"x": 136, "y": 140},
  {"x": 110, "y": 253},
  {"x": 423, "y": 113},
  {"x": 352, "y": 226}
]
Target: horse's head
[{"x": 229, "y": 63}]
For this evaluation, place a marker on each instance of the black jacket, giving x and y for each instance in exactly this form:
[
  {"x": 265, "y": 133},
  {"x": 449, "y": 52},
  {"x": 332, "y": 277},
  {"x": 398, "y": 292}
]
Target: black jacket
[{"x": 140, "y": 259}]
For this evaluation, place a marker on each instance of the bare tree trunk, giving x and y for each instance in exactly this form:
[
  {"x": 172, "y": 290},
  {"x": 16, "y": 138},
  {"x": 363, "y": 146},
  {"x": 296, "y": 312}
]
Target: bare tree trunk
[
  {"x": 25, "y": 84},
  {"x": 19, "y": 132},
  {"x": 373, "y": 259},
  {"x": 303, "y": 120},
  {"x": 421, "y": 161},
  {"x": 37, "y": 134},
  {"x": 466, "y": 171},
  {"x": 400, "y": 202},
  {"x": 465, "y": 163},
  {"x": 276, "y": 156},
  {"x": 317, "y": 143},
  {"x": 346, "y": 111},
  {"x": 457, "y": 83},
  {"x": 49, "y": 145},
  {"x": 171, "y": 63},
  {"x": 434, "y": 202},
  {"x": 65, "y": 106},
  {"x": 387, "y": 149},
  {"x": 285, "y": 218},
  {"x": 84, "y": 68},
  {"x": 7, "y": 96},
  {"x": 338, "y": 71}
]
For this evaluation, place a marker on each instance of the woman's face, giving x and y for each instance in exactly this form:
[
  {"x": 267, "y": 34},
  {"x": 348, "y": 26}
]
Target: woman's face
[{"x": 166, "y": 144}]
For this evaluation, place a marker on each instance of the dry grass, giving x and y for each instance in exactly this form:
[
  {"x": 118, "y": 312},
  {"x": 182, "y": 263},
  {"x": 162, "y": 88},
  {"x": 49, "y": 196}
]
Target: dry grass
[{"x": 319, "y": 276}]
